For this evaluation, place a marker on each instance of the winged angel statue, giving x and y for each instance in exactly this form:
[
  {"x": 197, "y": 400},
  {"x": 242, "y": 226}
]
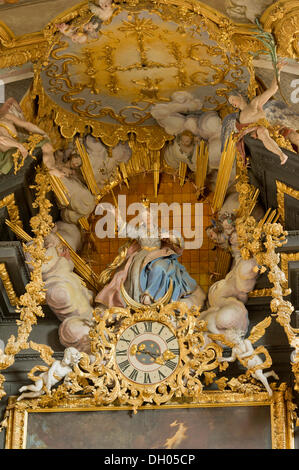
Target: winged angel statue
[
  {"x": 258, "y": 117},
  {"x": 249, "y": 357}
]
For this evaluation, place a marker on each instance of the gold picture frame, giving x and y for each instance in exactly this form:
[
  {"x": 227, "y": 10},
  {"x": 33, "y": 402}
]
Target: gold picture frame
[
  {"x": 283, "y": 189},
  {"x": 279, "y": 421}
]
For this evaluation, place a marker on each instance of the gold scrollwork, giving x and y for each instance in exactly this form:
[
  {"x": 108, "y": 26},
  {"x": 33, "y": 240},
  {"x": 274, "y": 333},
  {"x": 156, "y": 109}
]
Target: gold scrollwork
[{"x": 282, "y": 19}]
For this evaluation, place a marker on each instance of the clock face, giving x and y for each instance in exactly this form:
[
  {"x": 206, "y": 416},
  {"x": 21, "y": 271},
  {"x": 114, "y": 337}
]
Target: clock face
[{"x": 147, "y": 352}]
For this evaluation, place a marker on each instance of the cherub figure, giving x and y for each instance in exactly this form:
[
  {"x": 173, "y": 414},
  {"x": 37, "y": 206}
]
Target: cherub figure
[
  {"x": 223, "y": 232},
  {"x": 257, "y": 116},
  {"x": 68, "y": 161},
  {"x": 14, "y": 130},
  {"x": 182, "y": 149},
  {"x": 82, "y": 34},
  {"x": 103, "y": 9},
  {"x": 243, "y": 350},
  {"x": 179, "y": 114},
  {"x": 56, "y": 372}
]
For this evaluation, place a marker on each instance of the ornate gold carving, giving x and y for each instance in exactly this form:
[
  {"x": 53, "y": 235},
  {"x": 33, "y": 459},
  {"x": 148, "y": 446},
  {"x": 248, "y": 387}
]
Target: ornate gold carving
[
  {"x": 287, "y": 258},
  {"x": 256, "y": 239},
  {"x": 260, "y": 240},
  {"x": 282, "y": 18},
  {"x": 71, "y": 124},
  {"x": 4, "y": 276},
  {"x": 59, "y": 190},
  {"x": 225, "y": 167},
  {"x": 283, "y": 189},
  {"x": 17, "y": 412},
  {"x": 182, "y": 173},
  {"x": 202, "y": 158},
  {"x": 12, "y": 209},
  {"x": 20, "y": 233},
  {"x": 86, "y": 169},
  {"x": 29, "y": 305}
]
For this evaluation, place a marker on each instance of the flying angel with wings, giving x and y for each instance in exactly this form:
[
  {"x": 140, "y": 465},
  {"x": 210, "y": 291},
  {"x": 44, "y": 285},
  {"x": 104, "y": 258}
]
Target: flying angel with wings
[
  {"x": 243, "y": 350},
  {"x": 258, "y": 116}
]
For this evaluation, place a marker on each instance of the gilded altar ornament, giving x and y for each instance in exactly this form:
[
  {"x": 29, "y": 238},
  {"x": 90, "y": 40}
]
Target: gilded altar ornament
[
  {"x": 283, "y": 189},
  {"x": 12, "y": 209},
  {"x": 202, "y": 159},
  {"x": 110, "y": 385},
  {"x": 51, "y": 375},
  {"x": 149, "y": 355},
  {"x": 113, "y": 375},
  {"x": 29, "y": 306},
  {"x": 149, "y": 88},
  {"x": 20, "y": 233},
  {"x": 8, "y": 286},
  {"x": 251, "y": 234}
]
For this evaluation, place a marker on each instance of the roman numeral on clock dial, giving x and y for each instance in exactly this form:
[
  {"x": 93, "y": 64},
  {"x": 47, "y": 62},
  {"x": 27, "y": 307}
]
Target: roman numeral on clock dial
[
  {"x": 170, "y": 364},
  {"x": 123, "y": 352},
  {"x": 170, "y": 339},
  {"x": 133, "y": 375},
  {"x": 174, "y": 351},
  {"x": 135, "y": 330},
  {"x": 124, "y": 365}
]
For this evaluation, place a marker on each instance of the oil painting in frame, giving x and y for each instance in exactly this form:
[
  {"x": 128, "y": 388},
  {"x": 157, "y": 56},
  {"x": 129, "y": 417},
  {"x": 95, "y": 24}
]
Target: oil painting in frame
[{"x": 219, "y": 420}]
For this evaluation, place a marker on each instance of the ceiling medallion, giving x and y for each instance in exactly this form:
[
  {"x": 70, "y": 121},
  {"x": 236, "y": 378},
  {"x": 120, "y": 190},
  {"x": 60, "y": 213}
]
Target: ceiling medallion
[{"x": 137, "y": 58}]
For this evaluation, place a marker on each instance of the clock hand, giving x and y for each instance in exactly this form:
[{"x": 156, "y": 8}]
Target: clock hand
[
  {"x": 141, "y": 348},
  {"x": 167, "y": 355}
]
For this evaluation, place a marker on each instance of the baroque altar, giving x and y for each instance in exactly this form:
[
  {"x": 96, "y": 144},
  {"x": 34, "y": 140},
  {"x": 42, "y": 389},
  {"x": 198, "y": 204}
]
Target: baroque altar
[{"x": 149, "y": 108}]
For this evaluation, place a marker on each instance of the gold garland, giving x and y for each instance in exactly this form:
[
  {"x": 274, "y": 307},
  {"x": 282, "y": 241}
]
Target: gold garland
[{"x": 29, "y": 304}]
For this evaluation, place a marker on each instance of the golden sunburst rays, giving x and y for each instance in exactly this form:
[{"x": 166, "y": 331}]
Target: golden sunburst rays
[{"x": 226, "y": 164}]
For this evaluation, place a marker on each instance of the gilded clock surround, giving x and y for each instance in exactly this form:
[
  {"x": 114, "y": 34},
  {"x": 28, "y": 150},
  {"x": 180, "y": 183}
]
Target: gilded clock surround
[{"x": 103, "y": 384}]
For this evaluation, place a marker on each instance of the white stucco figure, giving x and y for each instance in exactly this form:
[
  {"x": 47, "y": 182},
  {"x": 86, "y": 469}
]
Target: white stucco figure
[
  {"x": 103, "y": 9},
  {"x": 66, "y": 295},
  {"x": 227, "y": 298},
  {"x": 182, "y": 149},
  {"x": 56, "y": 372},
  {"x": 244, "y": 350},
  {"x": 71, "y": 234},
  {"x": 179, "y": 114},
  {"x": 81, "y": 201},
  {"x": 104, "y": 164}
]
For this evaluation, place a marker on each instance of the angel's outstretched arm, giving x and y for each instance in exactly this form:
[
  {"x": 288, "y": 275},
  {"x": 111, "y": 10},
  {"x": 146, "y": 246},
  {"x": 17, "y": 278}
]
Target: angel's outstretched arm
[
  {"x": 28, "y": 126},
  {"x": 262, "y": 99}
]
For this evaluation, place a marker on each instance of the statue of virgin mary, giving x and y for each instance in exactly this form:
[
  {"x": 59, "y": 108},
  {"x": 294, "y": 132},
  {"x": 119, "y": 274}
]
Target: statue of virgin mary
[{"x": 147, "y": 269}]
